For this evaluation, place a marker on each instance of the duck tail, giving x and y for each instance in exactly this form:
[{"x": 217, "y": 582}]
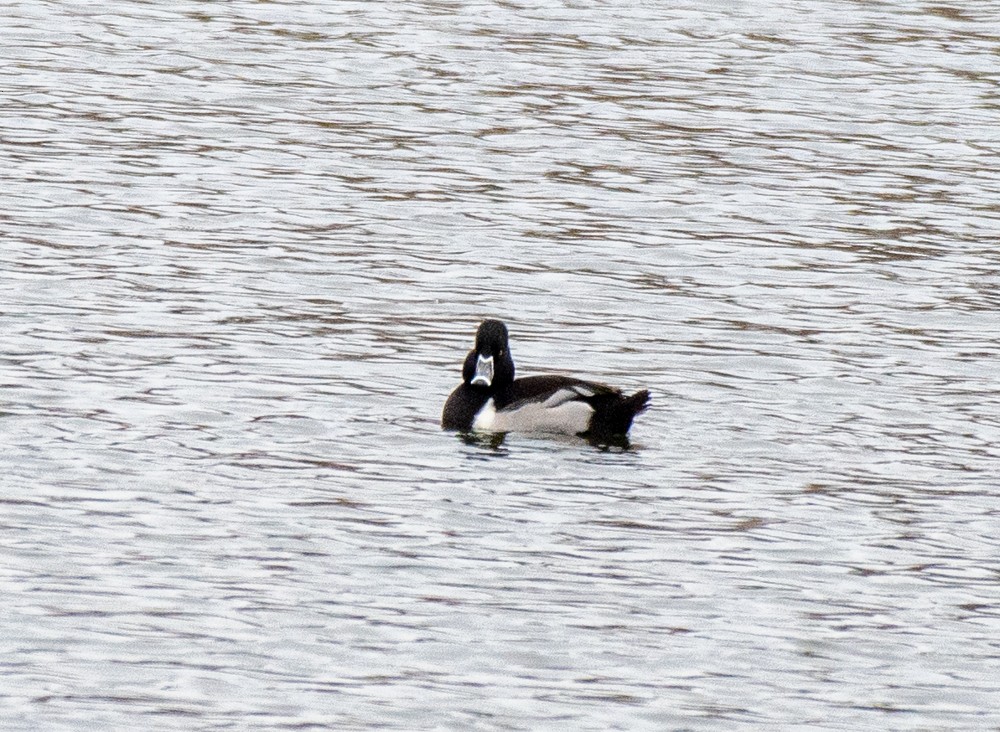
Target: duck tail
[
  {"x": 633, "y": 405},
  {"x": 615, "y": 418}
]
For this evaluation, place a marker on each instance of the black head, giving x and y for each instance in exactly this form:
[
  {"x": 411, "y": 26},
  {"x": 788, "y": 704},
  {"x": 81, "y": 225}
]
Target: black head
[
  {"x": 489, "y": 365},
  {"x": 491, "y": 338}
]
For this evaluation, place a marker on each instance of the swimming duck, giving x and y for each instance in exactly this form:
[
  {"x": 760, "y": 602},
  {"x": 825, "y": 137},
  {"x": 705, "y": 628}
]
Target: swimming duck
[{"x": 490, "y": 399}]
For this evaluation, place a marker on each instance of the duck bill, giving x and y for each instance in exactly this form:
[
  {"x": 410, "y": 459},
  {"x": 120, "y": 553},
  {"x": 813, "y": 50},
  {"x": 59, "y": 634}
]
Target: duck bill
[{"x": 484, "y": 371}]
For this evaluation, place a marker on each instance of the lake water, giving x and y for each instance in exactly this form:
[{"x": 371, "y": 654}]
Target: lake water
[{"x": 245, "y": 248}]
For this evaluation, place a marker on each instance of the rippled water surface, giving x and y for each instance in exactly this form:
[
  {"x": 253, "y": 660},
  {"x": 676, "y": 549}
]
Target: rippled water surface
[{"x": 245, "y": 247}]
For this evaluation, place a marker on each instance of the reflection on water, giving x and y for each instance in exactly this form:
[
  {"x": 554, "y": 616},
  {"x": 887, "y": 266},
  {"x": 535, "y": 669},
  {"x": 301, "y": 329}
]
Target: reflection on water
[{"x": 246, "y": 245}]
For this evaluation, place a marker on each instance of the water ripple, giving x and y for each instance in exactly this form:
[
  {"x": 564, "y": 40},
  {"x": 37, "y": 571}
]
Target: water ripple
[{"x": 247, "y": 244}]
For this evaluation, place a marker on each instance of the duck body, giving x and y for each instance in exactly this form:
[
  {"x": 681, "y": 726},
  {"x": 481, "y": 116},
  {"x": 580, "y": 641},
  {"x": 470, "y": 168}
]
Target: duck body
[{"x": 490, "y": 399}]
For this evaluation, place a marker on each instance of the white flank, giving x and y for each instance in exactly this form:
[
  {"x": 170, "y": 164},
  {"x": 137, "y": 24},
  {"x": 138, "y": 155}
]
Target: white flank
[
  {"x": 566, "y": 418},
  {"x": 562, "y": 413}
]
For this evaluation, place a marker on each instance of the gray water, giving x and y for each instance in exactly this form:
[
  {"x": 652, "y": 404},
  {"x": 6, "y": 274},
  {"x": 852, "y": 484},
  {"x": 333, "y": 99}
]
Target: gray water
[{"x": 246, "y": 245}]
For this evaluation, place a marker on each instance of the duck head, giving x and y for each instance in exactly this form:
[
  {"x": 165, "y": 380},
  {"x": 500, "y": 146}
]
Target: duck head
[{"x": 489, "y": 365}]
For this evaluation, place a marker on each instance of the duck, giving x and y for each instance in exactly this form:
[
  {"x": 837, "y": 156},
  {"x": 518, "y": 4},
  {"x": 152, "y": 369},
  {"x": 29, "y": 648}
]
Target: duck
[{"x": 491, "y": 400}]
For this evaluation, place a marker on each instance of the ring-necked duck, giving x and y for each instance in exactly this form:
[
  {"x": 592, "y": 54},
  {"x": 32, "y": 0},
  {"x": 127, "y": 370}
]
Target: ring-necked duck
[{"x": 491, "y": 400}]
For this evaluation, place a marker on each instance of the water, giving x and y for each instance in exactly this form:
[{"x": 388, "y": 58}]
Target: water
[{"x": 246, "y": 246}]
